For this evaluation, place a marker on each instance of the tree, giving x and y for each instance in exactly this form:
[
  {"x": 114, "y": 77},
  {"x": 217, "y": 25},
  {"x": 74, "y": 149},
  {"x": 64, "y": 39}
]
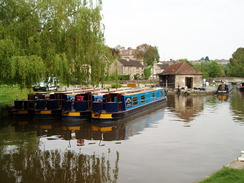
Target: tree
[
  {"x": 147, "y": 53},
  {"x": 210, "y": 69},
  {"x": 207, "y": 59},
  {"x": 65, "y": 35},
  {"x": 147, "y": 72},
  {"x": 185, "y": 60},
  {"x": 236, "y": 67},
  {"x": 215, "y": 70}
]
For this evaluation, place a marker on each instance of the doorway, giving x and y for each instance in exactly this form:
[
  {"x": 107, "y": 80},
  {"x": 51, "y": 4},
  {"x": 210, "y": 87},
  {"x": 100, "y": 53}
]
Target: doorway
[{"x": 189, "y": 82}]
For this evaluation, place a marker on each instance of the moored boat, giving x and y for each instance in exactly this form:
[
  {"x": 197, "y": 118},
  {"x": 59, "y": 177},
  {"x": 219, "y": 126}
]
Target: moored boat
[
  {"x": 224, "y": 88},
  {"x": 124, "y": 104},
  {"x": 241, "y": 86},
  {"x": 77, "y": 107}
]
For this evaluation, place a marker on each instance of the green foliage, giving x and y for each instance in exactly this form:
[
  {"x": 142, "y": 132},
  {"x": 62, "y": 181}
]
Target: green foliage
[
  {"x": 147, "y": 72},
  {"x": 226, "y": 175},
  {"x": 9, "y": 93},
  {"x": 119, "y": 77},
  {"x": 64, "y": 36},
  {"x": 210, "y": 69},
  {"x": 206, "y": 59},
  {"x": 26, "y": 70},
  {"x": 148, "y": 53},
  {"x": 116, "y": 85},
  {"x": 236, "y": 67},
  {"x": 137, "y": 77},
  {"x": 185, "y": 60}
]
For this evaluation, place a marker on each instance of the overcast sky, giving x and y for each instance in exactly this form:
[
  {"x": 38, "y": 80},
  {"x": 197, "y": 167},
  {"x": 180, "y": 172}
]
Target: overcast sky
[{"x": 188, "y": 29}]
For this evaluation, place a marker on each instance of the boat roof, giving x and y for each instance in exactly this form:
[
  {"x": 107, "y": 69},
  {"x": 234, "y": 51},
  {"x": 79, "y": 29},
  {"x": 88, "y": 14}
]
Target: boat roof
[{"x": 136, "y": 91}]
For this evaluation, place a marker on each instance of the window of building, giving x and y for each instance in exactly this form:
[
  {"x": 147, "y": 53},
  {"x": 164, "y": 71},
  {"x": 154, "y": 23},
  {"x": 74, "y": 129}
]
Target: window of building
[{"x": 135, "y": 100}]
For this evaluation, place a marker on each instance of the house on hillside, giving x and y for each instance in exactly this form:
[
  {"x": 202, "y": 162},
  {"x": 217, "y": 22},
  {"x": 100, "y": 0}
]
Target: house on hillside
[
  {"x": 180, "y": 74},
  {"x": 127, "y": 67},
  {"x": 130, "y": 54}
]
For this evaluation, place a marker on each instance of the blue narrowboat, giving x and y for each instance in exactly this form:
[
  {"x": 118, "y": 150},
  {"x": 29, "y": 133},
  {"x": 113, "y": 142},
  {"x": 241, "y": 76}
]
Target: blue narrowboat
[
  {"x": 224, "y": 89},
  {"x": 51, "y": 106},
  {"x": 26, "y": 108},
  {"x": 65, "y": 105},
  {"x": 78, "y": 107},
  {"x": 125, "y": 104}
]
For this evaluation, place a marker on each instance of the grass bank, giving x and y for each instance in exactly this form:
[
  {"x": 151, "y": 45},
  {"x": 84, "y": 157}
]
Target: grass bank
[
  {"x": 9, "y": 93},
  {"x": 226, "y": 175},
  {"x": 7, "y": 96}
]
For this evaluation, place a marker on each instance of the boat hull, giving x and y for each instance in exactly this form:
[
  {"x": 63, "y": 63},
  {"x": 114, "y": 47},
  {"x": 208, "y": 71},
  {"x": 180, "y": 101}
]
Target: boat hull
[
  {"x": 127, "y": 114},
  {"x": 80, "y": 115}
]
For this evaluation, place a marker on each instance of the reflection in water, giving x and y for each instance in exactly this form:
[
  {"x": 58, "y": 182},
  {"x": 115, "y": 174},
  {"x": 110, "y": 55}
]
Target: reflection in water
[
  {"x": 237, "y": 106},
  {"x": 56, "y": 166},
  {"x": 28, "y": 160},
  {"x": 68, "y": 130},
  {"x": 223, "y": 97},
  {"x": 185, "y": 107}
]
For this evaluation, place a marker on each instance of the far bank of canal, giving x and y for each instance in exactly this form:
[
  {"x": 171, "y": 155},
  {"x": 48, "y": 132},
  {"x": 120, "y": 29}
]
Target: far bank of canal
[{"x": 190, "y": 138}]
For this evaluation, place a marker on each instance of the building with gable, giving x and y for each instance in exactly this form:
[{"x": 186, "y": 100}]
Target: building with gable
[
  {"x": 127, "y": 67},
  {"x": 180, "y": 75},
  {"x": 130, "y": 54}
]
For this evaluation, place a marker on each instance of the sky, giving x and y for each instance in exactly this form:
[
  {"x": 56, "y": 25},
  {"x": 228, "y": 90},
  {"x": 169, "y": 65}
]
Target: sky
[{"x": 181, "y": 29}]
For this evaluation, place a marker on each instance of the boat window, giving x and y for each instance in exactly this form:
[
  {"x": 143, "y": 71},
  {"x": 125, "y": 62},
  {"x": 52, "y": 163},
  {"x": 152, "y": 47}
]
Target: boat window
[
  {"x": 135, "y": 100},
  {"x": 161, "y": 93},
  {"x": 153, "y": 96},
  {"x": 143, "y": 99}
]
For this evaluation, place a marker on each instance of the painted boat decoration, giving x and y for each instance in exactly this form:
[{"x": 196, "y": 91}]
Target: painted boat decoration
[
  {"x": 125, "y": 104},
  {"x": 224, "y": 88}
]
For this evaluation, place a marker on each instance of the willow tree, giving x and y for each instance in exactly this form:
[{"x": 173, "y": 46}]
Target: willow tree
[{"x": 62, "y": 38}]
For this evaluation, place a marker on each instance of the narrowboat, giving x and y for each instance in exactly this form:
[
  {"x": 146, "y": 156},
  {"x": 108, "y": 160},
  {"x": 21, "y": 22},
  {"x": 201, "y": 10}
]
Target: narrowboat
[
  {"x": 241, "y": 86},
  {"x": 26, "y": 108},
  {"x": 124, "y": 104},
  {"x": 50, "y": 106},
  {"x": 224, "y": 89},
  {"x": 77, "y": 107},
  {"x": 64, "y": 105}
]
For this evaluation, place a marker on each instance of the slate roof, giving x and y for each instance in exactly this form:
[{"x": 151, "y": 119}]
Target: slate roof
[
  {"x": 131, "y": 63},
  {"x": 162, "y": 66},
  {"x": 182, "y": 68}
]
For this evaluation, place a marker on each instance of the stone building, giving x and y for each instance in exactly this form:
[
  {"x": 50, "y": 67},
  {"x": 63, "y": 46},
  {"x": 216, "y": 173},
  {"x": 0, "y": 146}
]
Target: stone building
[
  {"x": 130, "y": 54},
  {"x": 127, "y": 67},
  {"x": 182, "y": 75}
]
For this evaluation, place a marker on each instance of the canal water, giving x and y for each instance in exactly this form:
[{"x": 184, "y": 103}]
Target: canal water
[{"x": 184, "y": 141}]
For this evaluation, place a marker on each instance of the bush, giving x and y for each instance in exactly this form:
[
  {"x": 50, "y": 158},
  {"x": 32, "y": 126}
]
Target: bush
[
  {"x": 116, "y": 85},
  {"x": 119, "y": 77}
]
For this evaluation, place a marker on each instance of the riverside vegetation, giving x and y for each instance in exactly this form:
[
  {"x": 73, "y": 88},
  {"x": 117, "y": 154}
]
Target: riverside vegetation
[
  {"x": 7, "y": 96},
  {"x": 226, "y": 175}
]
